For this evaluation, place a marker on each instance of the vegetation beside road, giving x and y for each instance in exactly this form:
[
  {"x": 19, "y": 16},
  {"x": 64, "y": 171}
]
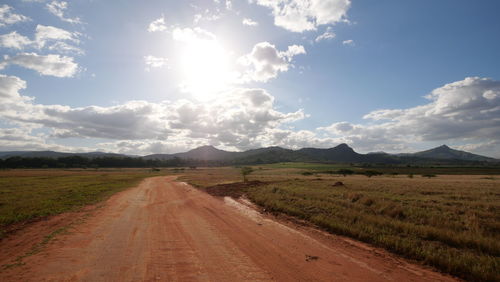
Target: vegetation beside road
[
  {"x": 390, "y": 169},
  {"x": 32, "y": 194},
  {"x": 451, "y": 222}
]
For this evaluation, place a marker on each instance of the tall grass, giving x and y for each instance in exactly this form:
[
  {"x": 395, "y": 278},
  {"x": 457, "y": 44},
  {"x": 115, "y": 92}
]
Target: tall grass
[{"x": 447, "y": 224}]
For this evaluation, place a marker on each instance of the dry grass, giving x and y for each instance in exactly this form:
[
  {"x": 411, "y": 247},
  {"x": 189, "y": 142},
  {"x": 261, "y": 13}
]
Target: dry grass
[{"x": 451, "y": 222}]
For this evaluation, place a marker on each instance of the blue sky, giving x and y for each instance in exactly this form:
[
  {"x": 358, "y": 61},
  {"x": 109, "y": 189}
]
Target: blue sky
[{"x": 168, "y": 76}]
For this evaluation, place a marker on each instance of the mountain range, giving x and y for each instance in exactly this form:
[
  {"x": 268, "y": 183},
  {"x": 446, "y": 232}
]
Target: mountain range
[{"x": 339, "y": 154}]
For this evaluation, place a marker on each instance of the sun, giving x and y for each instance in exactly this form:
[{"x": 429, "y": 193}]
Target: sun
[{"x": 205, "y": 68}]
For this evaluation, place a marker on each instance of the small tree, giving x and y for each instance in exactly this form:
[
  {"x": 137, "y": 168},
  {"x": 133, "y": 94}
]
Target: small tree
[{"x": 246, "y": 171}]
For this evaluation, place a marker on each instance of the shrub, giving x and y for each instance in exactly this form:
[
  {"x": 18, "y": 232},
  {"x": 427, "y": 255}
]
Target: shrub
[
  {"x": 367, "y": 201},
  {"x": 246, "y": 171},
  {"x": 345, "y": 172},
  {"x": 370, "y": 173}
]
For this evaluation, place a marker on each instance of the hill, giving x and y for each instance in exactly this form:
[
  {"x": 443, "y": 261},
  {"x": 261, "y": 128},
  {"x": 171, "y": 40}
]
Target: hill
[
  {"x": 446, "y": 153},
  {"x": 338, "y": 154}
]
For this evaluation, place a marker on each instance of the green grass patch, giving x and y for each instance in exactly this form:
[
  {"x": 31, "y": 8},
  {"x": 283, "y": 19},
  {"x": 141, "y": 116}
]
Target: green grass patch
[
  {"x": 388, "y": 169},
  {"x": 28, "y": 196},
  {"x": 311, "y": 166}
]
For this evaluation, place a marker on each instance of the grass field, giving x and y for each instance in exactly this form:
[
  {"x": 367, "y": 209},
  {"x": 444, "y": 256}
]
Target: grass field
[
  {"x": 439, "y": 169},
  {"x": 451, "y": 222},
  {"x": 31, "y": 194}
]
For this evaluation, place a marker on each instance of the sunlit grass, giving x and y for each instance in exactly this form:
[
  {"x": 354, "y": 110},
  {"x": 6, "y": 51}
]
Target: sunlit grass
[
  {"x": 311, "y": 166},
  {"x": 451, "y": 222},
  {"x": 27, "y": 195}
]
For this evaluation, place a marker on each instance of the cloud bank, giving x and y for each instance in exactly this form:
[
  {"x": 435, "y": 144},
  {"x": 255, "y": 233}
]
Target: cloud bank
[
  {"x": 466, "y": 112},
  {"x": 53, "y": 65},
  {"x": 304, "y": 15},
  {"x": 9, "y": 17}
]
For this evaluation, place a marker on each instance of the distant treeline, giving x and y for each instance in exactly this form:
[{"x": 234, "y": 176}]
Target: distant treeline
[
  {"x": 450, "y": 167},
  {"x": 105, "y": 162}
]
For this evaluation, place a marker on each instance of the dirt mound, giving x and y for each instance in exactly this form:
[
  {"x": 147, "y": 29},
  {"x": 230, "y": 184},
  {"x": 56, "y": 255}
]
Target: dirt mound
[{"x": 235, "y": 190}]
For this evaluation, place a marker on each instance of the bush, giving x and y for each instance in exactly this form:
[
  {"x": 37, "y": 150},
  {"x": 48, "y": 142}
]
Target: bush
[
  {"x": 345, "y": 172},
  {"x": 246, "y": 171},
  {"x": 370, "y": 173}
]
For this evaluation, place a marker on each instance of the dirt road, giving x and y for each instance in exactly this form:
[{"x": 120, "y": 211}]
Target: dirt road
[{"x": 164, "y": 230}]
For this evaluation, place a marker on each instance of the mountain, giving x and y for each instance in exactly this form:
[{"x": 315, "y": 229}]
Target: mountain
[
  {"x": 339, "y": 154},
  {"x": 269, "y": 155},
  {"x": 205, "y": 153},
  {"x": 210, "y": 153},
  {"x": 446, "y": 153}
]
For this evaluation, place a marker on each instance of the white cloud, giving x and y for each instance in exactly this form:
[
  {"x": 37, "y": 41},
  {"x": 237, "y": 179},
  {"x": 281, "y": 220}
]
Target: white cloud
[
  {"x": 229, "y": 5},
  {"x": 10, "y": 87},
  {"x": 157, "y": 25},
  {"x": 266, "y": 61},
  {"x": 296, "y": 139},
  {"x": 12, "y": 103},
  {"x": 154, "y": 62},
  {"x": 53, "y": 65},
  {"x": 8, "y": 17},
  {"x": 22, "y": 139},
  {"x": 327, "y": 35},
  {"x": 191, "y": 34},
  {"x": 133, "y": 120},
  {"x": 58, "y": 8},
  {"x": 237, "y": 118},
  {"x": 44, "y": 34},
  {"x": 349, "y": 42},
  {"x": 14, "y": 40},
  {"x": 63, "y": 47},
  {"x": 302, "y": 15},
  {"x": 491, "y": 94},
  {"x": 249, "y": 22},
  {"x": 145, "y": 147},
  {"x": 457, "y": 112},
  {"x": 49, "y": 37},
  {"x": 207, "y": 15},
  {"x": 16, "y": 134},
  {"x": 483, "y": 148}
]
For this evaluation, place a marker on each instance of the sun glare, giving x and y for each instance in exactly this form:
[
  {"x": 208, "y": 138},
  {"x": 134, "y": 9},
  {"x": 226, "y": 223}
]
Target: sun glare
[{"x": 205, "y": 68}]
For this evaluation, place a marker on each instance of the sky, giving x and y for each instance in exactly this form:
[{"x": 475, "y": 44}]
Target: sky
[{"x": 142, "y": 77}]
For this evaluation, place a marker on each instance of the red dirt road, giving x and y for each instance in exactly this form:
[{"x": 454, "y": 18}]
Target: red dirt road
[{"x": 164, "y": 230}]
